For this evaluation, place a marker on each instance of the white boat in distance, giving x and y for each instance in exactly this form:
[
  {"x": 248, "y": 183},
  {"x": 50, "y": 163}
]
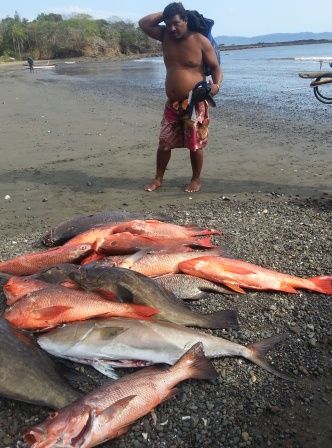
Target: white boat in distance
[{"x": 44, "y": 66}]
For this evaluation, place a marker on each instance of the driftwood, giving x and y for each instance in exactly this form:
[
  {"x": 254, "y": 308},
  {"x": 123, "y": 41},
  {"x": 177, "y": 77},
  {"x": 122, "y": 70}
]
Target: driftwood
[
  {"x": 321, "y": 80},
  {"x": 315, "y": 74}
]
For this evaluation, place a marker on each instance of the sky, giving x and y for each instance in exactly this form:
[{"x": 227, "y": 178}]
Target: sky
[{"x": 232, "y": 18}]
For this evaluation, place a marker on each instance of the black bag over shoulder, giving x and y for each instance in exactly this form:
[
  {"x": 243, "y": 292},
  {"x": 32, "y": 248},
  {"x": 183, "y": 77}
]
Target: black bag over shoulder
[{"x": 197, "y": 22}]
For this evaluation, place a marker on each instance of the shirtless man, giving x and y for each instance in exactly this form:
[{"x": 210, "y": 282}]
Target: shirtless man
[{"x": 185, "y": 55}]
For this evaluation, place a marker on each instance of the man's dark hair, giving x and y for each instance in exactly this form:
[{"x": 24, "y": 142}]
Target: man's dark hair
[{"x": 173, "y": 9}]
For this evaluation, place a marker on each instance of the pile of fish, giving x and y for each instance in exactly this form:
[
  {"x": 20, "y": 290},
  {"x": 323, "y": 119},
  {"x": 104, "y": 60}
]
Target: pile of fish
[{"x": 111, "y": 293}]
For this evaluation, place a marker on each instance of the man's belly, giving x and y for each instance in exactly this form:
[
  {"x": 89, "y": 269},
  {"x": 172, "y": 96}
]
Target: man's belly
[{"x": 179, "y": 83}]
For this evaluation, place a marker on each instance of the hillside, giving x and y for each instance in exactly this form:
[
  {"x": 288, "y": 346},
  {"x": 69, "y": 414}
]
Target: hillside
[{"x": 272, "y": 38}]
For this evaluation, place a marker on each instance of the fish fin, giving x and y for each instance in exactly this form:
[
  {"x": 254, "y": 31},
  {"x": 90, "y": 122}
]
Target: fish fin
[
  {"x": 171, "y": 393},
  {"x": 103, "y": 418},
  {"x": 116, "y": 408},
  {"x": 286, "y": 287},
  {"x": 210, "y": 232},
  {"x": 197, "y": 231},
  {"x": 197, "y": 365},
  {"x": 142, "y": 312},
  {"x": 105, "y": 368},
  {"x": 50, "y": 312},
  {"x": 122, "y": 430},
  {"x": 258, "y": 350},
  {"x": 222, "y": 319},
  {"x": 105, "y": 332},
  {"x": 128, "y": 262},
  {"x": 234, "y": 287},
  {"x": 106, "y": 294},
  {"x": 322, "y": 284}
]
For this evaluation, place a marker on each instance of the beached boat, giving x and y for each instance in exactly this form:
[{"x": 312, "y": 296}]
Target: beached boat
[
  {"x": 35, "y": 67},
  {"x": 41, "y": 66}
]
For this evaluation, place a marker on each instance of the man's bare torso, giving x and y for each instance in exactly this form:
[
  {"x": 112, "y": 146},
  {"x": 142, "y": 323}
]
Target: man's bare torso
[{"x": 184, "y": 65}]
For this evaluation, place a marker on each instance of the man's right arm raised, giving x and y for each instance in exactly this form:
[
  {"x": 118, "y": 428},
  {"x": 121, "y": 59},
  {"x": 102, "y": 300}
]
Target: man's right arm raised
[{"x": 151, "y": 25}]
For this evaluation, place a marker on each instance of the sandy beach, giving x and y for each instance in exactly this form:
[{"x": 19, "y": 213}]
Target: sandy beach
[
  {"x": 266, "y": 184},
  {"x": 66, "y": 151}
]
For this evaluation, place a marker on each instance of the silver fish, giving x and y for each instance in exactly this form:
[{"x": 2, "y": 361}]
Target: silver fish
[
  {"x": 189, "y": 287},
  {"x": 27, "y": 374},
  {"x": 131, "y": 286},
  {"x": 108, "y": 343}
]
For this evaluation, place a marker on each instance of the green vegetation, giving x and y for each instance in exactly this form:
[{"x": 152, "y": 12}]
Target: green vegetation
[{"x": 51, "y": 36}]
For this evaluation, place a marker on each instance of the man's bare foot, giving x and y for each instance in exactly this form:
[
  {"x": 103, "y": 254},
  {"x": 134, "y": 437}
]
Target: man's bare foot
[
  {"x": 153, "y": 185},
  {"x": 194, "y": 186}
]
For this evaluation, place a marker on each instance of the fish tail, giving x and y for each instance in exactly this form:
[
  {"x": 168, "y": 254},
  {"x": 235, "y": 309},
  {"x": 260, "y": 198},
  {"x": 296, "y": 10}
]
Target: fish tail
[
  {"x": 258, "y": 350},
  {"x": 221, "y": 319},
  {"x": 322, "y": 284},
  {"x": 197, "y": 231},
  {"x": 197, "y": 365},
  {"x": 203, "y": 242}
]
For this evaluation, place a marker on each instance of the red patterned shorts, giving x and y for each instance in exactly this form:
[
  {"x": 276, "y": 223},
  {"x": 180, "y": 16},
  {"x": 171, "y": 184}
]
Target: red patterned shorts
[{"x": 178, "y": 131}]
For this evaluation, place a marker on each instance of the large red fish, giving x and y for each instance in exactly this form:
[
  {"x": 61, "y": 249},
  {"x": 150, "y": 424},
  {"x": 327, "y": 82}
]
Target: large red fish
[
  {"x": 157, "y": 264},
  {"x": 153, "y": 227},
  {"x": 109, "y": 411},
  {"x": 36, "y": 261},
  {"x": 56, "y": 305},
  {"x": 238, "y": 274},
  {"x": 127, "y": 243}
]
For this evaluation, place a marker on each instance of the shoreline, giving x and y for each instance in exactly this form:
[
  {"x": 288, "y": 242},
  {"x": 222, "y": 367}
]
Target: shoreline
[{"x": 223, "y": 47}]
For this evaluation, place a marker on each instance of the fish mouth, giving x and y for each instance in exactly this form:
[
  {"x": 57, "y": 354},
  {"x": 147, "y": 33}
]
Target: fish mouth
[
  {"x": 34, "y": 436},
  {"x": 47, "y": 239}
]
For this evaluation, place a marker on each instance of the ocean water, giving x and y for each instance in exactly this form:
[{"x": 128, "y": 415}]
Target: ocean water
[{"x": 263, "y": 77}]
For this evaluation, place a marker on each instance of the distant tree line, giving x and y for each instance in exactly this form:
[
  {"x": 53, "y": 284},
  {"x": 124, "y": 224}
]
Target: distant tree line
[{"x": 51, "y": 36}]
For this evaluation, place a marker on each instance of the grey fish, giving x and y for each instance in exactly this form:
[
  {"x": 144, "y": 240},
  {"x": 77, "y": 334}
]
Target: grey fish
[
  {"x": 131, "y": 286},
  {"x": 108, "y": 343},
  {"x": 56, "y": 274},
  {"x": 72, "y": 227},
  {"x": 28, "y": 374},
  {"x": 189, "y": 287}
]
